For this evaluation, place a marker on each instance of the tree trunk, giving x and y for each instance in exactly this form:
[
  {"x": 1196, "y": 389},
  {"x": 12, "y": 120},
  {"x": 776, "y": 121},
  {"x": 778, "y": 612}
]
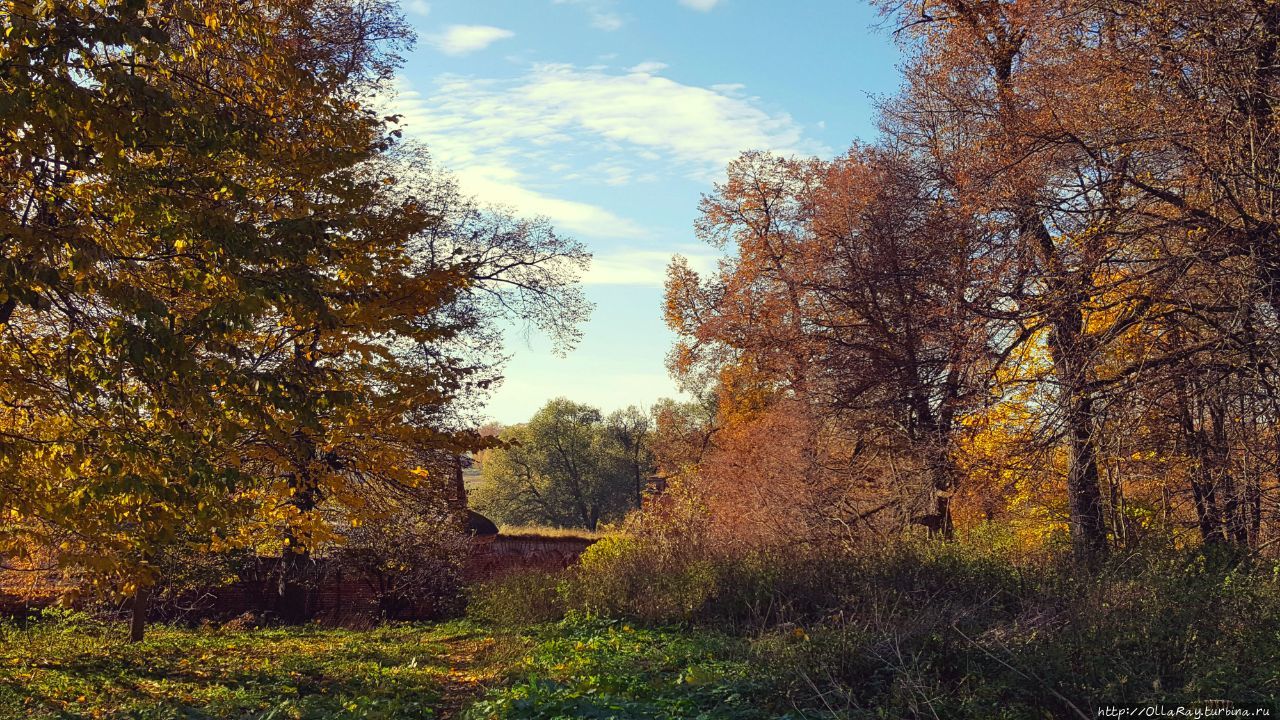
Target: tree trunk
[
  {"x": 1087, "y": 515},
  {"x": 1207, "y": 517},
  {"x": 295, "y": 559},
  {"x": 639, "y": 483},
  {"x": 1071, "y": 354},
  {"x": 1253, "y": 500},
  {"x": 138, "y": 621},
  {"x": 944, "y": 483},
  {"x": 293, "y": 588}
]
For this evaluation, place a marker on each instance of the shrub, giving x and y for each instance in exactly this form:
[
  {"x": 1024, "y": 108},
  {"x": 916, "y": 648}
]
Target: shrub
[
  {"x": 621, "y": 576},
  {"x": 523, "y": 598},
  {"x": 412, "y": 559},
  {"x": 916, "y": 627}
]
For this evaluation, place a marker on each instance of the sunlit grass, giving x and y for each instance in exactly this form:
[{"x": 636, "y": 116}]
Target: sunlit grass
[
  {"x": 551, "y": 532},
  {"x": 584, "y": 668},
  {"x": 79, "y": 668}
]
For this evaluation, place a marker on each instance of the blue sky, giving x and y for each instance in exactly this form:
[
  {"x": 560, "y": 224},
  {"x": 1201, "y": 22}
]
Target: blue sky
[{"x": 612, "y": 117}]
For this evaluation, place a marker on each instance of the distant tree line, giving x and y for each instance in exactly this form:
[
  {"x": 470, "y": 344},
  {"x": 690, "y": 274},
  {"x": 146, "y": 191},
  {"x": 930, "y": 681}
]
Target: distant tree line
[{"x": 569, "y": 466}]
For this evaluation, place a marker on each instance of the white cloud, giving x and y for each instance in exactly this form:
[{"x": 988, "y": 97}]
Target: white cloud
[
  {"x": 641, "y": 267},
  {"x": 487, "y": 169},
  {"x": 700, "y": 5},
  {"x": 463, "y": 39},
  {"x": 502, "y": 186},
  {"x": 702, "y": 127},
  {"x": 418, "y": 7},
  {"x": 635, "y": 115},
  {"x": 529, "y": 141},
  {"x": 649, "y": 67},
  {"x": 602, "y": 13}
]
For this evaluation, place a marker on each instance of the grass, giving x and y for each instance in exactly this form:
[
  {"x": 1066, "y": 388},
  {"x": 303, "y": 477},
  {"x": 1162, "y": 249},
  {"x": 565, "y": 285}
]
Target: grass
[
  {"x": 69, "y": 666},
  {"x": 592, "y": 668},
  {"x": 73, "y": 667},
  {"x": 549, "y": 532},
  {"x": 913, "y": 632}
]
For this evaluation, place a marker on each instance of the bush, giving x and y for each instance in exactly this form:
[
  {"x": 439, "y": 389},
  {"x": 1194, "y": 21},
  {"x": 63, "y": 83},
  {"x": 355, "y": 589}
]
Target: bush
[
  {"x": 519, "y": 599},
  {"x": 620, "y": 576},
  {"x": 412, "y": 559},
  {"x": 963, "y": 628}
]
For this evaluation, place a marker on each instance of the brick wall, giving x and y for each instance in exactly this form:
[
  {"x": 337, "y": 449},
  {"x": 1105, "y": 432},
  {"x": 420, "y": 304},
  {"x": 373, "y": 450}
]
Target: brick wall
[
  {"x": 501, "y": 555},
  {"x": 346, "y": 597}
]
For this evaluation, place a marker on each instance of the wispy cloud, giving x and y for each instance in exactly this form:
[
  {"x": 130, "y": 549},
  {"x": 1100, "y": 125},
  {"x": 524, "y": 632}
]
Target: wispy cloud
[
  {"x": 641, "y": 267},
  {"x": 503, "y": 186},
  {"x": 531, "y": 140},
  {"x": 634, "y": 114},
  {"x": 463, "y": 39},
  {"x": 603, "y": 13},
  {"x": 701, "y": 5},
  {"x": 418, "y": 7},
  {"x": 649, "y": 67},
  {"x": 486, "y": 167}
]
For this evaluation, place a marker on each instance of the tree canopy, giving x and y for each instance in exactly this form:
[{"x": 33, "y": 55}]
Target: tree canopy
[
  {"x": 234, "y": 306},
  {"x": 569, "y": 466}
]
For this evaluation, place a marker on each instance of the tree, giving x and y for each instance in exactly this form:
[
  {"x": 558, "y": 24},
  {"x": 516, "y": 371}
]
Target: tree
[
  {"x": 230, "y": 302},
  {"x": 848, "y": 291},
  {"x": 393, "y": 380},
  {"x": 566, "y": 467},
  {"x": 175, "y": 175},
  {"x": 1122, "y": 152},
  {"x": 628, "y": 439}
]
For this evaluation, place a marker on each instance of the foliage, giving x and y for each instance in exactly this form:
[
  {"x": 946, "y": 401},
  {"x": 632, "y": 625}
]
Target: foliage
[
  {"x": 235, "y": 311},
  {"x": 1048, "y": 292},
  {"x": 623, "y": 576},
  {"x": 412, "y": 558},
  {"x": 912, "y": 629},
  {"x": 181, "y": 192},
  {"x": 569, "y": 466}
]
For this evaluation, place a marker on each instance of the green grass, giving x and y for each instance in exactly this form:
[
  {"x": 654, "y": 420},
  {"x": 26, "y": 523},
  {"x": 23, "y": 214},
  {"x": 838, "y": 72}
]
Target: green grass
[
  {"x": 934, "y": 631},
  {"x": 74, "y": 667},
  {"x": 77, "y": 668},
  {"x": 584, "y": 668}
]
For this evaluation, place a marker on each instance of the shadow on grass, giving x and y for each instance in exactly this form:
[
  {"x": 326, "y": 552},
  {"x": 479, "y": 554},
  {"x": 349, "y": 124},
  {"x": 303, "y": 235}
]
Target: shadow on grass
[{"x": 304, "y": 672}]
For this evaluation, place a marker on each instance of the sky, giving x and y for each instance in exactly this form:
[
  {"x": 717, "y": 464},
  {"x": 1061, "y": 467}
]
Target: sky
[{"x": 611, "y": 118}]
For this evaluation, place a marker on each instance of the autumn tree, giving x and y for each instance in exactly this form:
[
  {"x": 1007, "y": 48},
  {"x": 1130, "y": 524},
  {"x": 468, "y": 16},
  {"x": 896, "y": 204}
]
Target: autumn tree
[
  {"x": 396, "y": 377},
  {"x": 1122, "y": 152},
  {"x": 155, "y": 159},
  {"x": 847, "y": 291},
  {"x": 222, "y": 299}
]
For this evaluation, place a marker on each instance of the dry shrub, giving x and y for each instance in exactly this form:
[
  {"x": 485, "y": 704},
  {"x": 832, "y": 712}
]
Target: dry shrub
[{"x": 412, "y": 560}]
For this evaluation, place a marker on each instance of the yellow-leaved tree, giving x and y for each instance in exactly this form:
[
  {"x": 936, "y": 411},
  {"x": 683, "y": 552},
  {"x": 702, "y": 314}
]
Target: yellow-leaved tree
[{"x": 218, "y": 301}]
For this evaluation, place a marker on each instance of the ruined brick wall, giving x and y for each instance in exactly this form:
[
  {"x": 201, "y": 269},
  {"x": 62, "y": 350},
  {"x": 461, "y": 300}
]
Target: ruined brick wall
[
  {"x": 346, "y": 597},
  {"x": 339, "y": 596},
  {"x": 501, "y": 555}
]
